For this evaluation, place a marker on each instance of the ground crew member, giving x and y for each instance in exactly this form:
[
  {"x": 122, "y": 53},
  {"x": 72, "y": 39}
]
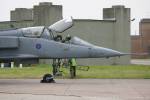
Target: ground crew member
[{"x": 73, "y": 64}]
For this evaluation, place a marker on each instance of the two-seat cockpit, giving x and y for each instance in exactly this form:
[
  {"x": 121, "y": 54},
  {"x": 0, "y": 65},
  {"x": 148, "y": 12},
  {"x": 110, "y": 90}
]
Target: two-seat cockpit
[
  {"x": 58, "y": 27},
  {"x": 37, "y": 32},
  {"x": 47, "y": 32}
]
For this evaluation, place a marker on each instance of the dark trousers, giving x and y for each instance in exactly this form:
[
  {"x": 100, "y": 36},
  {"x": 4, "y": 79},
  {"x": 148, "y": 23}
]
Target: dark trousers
[{"x": 72, "y": 71}]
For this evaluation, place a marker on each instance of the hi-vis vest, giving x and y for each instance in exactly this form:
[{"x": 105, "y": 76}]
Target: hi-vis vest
[{"x": 73, "y": 62}]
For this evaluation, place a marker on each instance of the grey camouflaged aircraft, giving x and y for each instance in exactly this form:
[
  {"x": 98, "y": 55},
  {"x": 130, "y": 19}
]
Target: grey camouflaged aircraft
[{"x": 38, "y": 43}]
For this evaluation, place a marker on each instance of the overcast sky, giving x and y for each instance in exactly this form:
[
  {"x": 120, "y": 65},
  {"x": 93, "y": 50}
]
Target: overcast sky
[{"x": 82, "y": 9}]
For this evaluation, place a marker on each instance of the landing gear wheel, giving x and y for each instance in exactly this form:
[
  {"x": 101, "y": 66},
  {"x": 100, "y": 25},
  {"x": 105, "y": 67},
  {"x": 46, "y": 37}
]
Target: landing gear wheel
[{"x": 47, "y": 78}]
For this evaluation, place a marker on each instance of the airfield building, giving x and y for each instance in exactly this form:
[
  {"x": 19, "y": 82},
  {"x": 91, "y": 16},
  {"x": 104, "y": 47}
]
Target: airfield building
[
  {"x": 111, "y": 32},
  {"x": 141, "y": 42}
]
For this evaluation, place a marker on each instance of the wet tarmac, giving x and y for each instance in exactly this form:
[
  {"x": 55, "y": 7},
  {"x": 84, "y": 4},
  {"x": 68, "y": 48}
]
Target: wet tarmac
[{"x": 75, "y": 89}]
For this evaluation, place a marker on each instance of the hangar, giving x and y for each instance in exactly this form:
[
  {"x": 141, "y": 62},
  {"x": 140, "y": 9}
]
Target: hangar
[{"x": 111, "y": 32}]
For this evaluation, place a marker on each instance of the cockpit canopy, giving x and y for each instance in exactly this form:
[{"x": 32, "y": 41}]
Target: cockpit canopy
[
  {"x": 36, "y": 32},
  {"x": 62, "y": 25},
  {"x": 33, "y": 31},
  {"x": 47, "y": 32}
]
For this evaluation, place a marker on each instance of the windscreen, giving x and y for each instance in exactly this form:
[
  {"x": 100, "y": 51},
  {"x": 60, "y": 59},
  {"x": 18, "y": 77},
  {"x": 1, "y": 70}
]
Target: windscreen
[{"x": 78, "y": 41}]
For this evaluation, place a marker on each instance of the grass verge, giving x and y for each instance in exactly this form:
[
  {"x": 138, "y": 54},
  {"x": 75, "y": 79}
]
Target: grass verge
[{"x": 103, "y": 72}]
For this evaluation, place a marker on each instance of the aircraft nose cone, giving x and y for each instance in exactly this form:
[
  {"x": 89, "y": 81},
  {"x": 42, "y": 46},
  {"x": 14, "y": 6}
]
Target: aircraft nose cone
[
  {"x": 114, "y": 53},
  {"x": 104, "y": 52}
]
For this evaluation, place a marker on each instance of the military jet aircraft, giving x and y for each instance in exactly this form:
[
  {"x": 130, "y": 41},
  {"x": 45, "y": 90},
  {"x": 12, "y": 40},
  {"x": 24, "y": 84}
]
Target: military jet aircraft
[{"x": 39, "y": 43}]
